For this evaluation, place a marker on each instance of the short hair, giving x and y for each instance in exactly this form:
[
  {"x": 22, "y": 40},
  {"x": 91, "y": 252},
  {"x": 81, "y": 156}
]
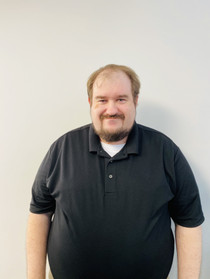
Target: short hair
[{"x": 135, "y": 83}]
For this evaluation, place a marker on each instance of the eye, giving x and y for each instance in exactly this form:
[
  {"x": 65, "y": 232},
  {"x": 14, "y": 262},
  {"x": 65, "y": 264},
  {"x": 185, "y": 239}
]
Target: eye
[
  {"x": 121, "y": 100},
  {"x": 102, "y": 101}
]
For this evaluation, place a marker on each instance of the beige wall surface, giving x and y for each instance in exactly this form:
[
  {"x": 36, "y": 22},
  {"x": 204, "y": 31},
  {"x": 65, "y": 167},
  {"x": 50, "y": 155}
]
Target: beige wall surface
[{"x": 48, "y": 48}]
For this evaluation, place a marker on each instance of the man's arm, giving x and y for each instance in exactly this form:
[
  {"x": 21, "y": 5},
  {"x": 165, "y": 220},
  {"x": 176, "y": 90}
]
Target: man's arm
[
  {"x": 37, "y": 235},
  {"x": 189, "y": 246}
]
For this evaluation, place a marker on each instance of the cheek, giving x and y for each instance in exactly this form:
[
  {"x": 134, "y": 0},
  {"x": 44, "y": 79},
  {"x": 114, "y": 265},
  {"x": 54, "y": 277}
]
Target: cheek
[
  {"x": 97, "y": 110},
  {"x": 95, "y": 113},
  {"x": 130, "y": 114}
]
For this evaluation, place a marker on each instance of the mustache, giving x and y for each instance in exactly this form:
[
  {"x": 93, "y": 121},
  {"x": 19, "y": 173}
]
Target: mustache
[{"x": 112, "y": 116}]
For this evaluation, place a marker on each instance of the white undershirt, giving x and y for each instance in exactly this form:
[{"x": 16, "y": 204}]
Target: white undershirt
[{"x": 112, "y": 149}]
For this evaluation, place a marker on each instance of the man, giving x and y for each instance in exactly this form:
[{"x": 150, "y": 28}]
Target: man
[{"x": 112, "y": 188}]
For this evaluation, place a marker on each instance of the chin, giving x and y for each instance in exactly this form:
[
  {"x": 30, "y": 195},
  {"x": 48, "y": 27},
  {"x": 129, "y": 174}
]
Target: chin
[
  {"x": 113, "y": 130},
  {"x": 112, "y": 126}
]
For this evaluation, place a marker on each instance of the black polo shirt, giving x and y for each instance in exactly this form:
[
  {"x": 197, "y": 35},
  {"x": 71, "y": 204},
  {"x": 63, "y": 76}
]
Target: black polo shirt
[{"x": 112, "y": 216}]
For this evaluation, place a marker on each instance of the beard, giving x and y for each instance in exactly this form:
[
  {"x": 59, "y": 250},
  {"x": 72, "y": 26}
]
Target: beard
[
  {"x": 112, "y": 136},
  {"x": 117, "y": 135}
]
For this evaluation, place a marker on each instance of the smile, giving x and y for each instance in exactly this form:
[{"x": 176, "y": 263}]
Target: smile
[{"x": 111, "y": 117}]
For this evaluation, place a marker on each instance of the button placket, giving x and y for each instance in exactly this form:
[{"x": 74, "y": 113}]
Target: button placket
[{"x": 110, "y": 181}]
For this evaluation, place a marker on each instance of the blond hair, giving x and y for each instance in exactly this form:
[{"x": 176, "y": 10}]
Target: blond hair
[{"x": 135, "y": 83}]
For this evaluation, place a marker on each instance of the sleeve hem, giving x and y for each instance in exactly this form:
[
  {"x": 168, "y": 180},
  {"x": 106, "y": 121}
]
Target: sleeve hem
[
  {"x": 190, "y": 225},
  {"x": 41, "y": 211}
]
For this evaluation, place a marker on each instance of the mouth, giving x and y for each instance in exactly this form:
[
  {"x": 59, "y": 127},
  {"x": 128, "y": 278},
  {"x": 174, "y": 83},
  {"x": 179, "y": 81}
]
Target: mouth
[{"x": 111, "y": 117}]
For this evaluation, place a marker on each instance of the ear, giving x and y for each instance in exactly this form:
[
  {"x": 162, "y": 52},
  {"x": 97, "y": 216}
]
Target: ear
[
  {"x": 89, "y": 101},
  {"x": 136, "y": 100}
]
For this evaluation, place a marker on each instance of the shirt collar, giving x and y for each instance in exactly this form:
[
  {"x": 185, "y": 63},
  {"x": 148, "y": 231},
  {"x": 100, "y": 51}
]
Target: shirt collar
[{"x": 132, "y": 145}]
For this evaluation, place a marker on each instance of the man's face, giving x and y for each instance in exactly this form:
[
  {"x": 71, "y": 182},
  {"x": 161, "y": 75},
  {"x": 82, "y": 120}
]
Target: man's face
[{"x": 112, "y": 107}]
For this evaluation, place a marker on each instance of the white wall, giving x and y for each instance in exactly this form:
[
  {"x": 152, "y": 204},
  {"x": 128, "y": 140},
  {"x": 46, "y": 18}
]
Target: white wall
[{"x": 48, "y": 48}]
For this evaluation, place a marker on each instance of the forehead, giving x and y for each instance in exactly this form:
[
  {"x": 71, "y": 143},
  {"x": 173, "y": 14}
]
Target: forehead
[{"x": 112, "y": 81}]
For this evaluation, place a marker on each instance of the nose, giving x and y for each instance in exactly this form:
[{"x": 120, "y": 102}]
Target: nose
[{"x": 111, "y": 108}]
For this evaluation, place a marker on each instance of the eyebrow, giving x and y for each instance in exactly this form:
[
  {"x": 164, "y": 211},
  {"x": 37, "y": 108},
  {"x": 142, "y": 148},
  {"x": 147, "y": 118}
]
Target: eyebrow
[
  {"x": 99, "y": 97},
  {"x": 105, "y": 97}
]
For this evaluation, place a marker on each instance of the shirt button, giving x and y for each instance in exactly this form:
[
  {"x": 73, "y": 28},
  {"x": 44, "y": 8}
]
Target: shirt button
[{"x": 110, "y": 176}]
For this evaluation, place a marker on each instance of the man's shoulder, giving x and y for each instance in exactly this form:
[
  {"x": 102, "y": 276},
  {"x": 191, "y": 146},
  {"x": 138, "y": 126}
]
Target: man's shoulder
[
  {"x": 155, "y": 135},
  {"x": 75, "y": 135},
  {"x": 79, "y": 130},
  {"x": 151, "y": 131}
]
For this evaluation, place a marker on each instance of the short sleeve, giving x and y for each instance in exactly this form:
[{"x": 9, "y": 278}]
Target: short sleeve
[
  {"x": 185, "y": 208},
  {"x": 42, "y": 201}
]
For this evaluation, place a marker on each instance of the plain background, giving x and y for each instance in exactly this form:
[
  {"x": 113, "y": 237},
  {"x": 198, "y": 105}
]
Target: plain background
[{"x": 48, "y": 48}]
